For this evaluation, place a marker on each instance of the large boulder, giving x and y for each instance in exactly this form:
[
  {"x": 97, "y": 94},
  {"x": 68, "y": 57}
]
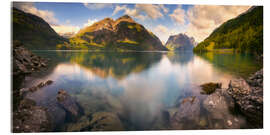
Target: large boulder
[
  {"x": 248, "y": 95},
  {"x": 218, "y": 106},
  {"x": 188, "y": 112}
]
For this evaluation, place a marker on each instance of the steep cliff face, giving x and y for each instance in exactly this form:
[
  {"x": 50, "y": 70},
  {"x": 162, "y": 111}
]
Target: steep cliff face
[
  {"x": 33, "y": 31},
  {"x": 121, "y": 34},
  {"x": 180, "y": 42}
]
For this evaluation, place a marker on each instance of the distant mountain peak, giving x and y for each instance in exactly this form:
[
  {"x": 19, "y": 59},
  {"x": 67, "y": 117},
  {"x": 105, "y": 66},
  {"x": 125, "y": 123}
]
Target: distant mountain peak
[
  {"x": 180, "y": 41},
  {"x": 124, "y": 18}
]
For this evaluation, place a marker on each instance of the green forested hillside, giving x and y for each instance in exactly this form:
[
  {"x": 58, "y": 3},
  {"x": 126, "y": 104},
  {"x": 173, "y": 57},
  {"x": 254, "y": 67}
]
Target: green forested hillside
[
  {"x": 33, "y": 31},
  {"x": 242, "y": 34}
]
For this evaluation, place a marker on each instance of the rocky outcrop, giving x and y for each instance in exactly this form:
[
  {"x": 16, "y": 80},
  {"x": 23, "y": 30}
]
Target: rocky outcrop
[
  {"x": 24, "y": 61},
  {"x": 248, "y": 95},
  {"x": 180, "y": 42},
  {"x": 31, "y": 118}
]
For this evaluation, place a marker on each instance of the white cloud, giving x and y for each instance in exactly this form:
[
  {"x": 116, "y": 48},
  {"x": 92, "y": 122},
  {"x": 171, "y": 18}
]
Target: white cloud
[
  {"x": 89, "y": 22},
  {"x": 142, "y": 11},
  {"x": 152, "y": 11},
  {"x": 204, "y": 19},
  {"x": 29, "y": 7},
  {"x": 64, "y": 29},
  {"x": 67, "y": 21},
  {"x": 119, "y": 8},
  {"x": 165, "y": 10},
  {"x": 97, "y": 5},
  {"x": 178, "y": 15},
  {"x": 161, "y": 29},
  {"x": 162, "y": 32},
  {"x": 131, "y": 12}
]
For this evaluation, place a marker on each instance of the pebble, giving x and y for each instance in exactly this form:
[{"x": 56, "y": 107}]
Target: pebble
[{"x": 229, "y": 122}]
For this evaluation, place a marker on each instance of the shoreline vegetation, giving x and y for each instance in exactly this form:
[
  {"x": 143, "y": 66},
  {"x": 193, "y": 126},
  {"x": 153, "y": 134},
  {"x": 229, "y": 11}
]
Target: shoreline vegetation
[{"x": 241, "y": 34}]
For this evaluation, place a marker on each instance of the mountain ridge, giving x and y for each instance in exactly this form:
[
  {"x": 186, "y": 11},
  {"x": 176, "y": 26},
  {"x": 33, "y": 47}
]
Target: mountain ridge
[
  {"x": 34, "y": 32},
  {"x": 121, "y": 34}
]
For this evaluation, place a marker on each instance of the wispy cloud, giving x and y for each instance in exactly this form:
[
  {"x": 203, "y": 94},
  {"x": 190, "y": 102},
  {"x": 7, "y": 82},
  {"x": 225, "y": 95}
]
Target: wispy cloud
[
  {"x": 152, "y": 11},
  {"x": 178, "y": 15},
  {"x": 63, "y": 29},
  {"x": 143, "y": 11},
  {"x": 204, "y": 19},
  {"x": 90, "y": 22},
  {"x": 129, "y": 11},
  {"x": 93, "y": 6}
]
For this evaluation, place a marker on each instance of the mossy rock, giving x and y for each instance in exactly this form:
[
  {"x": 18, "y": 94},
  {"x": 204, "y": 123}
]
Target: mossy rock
[
  {"x": 209, "y": 88},
  {"x": 106, "y": 121},
  {"x": 83, "y": 124},
  {"x": 99, "y": 121}
]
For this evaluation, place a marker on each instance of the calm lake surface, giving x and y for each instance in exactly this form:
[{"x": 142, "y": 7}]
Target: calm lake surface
[{"x": 137, "y": 86}]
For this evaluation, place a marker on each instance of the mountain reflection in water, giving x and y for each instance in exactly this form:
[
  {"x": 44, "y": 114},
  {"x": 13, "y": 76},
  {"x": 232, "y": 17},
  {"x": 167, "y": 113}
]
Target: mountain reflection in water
[{"x": 137, "y": 86}]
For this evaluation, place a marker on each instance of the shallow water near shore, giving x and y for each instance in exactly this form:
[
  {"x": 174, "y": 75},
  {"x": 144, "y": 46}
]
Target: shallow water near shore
[{"x": 141, "y": 88}]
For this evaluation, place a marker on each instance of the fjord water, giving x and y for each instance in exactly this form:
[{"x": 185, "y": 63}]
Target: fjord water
[{"x": 137, "y": 86}]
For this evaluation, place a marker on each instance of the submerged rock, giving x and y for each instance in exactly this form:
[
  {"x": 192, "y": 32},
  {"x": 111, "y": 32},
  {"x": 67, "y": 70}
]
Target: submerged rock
[
  {"x": 209, "y": 88},
  {"x": 24, "y": 91},
  {"x": 31, "y": 118},
  {"x": 68, "y": 103},
  {"x": 189, "y": 111},
  {"x": 57, "y": 114},
  {"x": 248, "y": 95},
  {"x": 106, "y": 121},
  {"x": 99, "y": 121},
  {"x": 83, "y": 124}
]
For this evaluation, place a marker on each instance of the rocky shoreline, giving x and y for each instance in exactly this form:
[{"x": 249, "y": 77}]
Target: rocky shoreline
[
  {"x": 248, "y": 95},
  {"x": 220, "y": 104},
  {"x": 27, "y": 116}
]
